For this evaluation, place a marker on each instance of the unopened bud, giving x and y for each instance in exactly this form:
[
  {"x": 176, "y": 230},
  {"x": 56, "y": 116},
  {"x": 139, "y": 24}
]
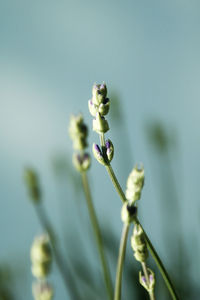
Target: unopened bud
[
  {"x": 98, "y": 154},
  {"x": 138, "y": 244},
  {"x": 78, "y": 132},
  {"x": 104, "y": 107},
  {"x": 109, "y": 150},
  {"x": 142, "y": 279},
  {"x": 99, "y": 92},
  {"x": 128, "y": 213},
  {"x": 100, "y": 125},
  {"x": 81, "y": 162},
  {"x": 135, "y": 184}
]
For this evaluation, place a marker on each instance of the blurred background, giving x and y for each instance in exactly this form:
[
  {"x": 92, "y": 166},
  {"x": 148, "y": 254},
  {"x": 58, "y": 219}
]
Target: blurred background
[{"x": 147, "y": 52}]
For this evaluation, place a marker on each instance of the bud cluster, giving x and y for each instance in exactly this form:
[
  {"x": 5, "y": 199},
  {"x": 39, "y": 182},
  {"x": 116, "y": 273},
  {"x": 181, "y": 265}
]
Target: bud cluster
[
  {"x": 41, "y": 257},
  {"x": 99, "y": 107},
  {"x": 135, "y": 183},
  {"x": 104, "y": 154},
  {"x": 149, "y": 286},
  {"x": 78, "y": 132},
  {"x": 31, "y": 180},
  {"x": 128, "y": 213},
  {"x": 138, "y": 244}
]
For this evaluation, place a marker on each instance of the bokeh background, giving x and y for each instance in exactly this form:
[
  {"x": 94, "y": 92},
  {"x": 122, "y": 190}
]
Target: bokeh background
[{"x": 51, "y": 53}]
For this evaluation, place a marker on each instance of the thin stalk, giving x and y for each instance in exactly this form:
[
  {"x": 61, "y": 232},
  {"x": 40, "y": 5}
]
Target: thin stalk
[
  {"x": 61, "y": 264},
  {"x": 98, "y": 236},
  {"x": 151, "y": 292},
  {"x": 159, "y": 265},
  {"x": 121, "y": 257},
  {"x": 149, "y": 244}
]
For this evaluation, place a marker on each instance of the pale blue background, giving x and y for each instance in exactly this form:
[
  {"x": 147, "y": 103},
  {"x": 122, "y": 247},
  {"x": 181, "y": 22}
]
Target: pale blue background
[{"x": 51, "y": 52}]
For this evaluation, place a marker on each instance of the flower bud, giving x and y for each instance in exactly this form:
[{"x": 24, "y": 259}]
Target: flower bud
[
  {"x": 81, "y": 162},
  {"x": 135, "y": 184},
  {"x": 128, "y": 213},
  {"x": 41, "y": 256},
  {"x": 138, "y": 244},
  {"x": 99, "y": 92},
  {"x": 109, "y": 150},
  {"x": 78, "y": 132},
  {"x": 149, "y": 287},
  {"x": 31, "y": 181},
  {"x": 40, "y": 269},
  {"x": 100, "y": 125},
  {"x": 104, "y": 107},
  {"x": 93, "y": 108},
  {"x": 42, "y": 291},
  {"x": 98, "y": 154}
]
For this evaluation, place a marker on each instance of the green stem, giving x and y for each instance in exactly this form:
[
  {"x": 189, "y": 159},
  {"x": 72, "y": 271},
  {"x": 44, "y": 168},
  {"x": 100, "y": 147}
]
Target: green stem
[
  {"x": 61, "y": 264},
  {"x": 151, "y": 292},
  {"x": 98, "y": 236},
  {"x": 159, "y": 264},
  {"x": 121, "y": 257},
  {"x": 149, "y": 244}
]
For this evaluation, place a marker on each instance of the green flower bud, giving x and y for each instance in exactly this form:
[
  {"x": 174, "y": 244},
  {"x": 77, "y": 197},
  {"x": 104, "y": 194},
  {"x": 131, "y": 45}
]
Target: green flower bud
[
  {"x": 109, "y": 150},
  {"x": 31, "y": 181},
  {"x": 42, "y": 291},
  {"x": 40, "y": 250},
  {"x": 40, "y": 269},
  {"x": 93, "y": 108},
  {"x": 99, "y": 92},
  {"x": 135, "y": 184},
  {"x": 81, "y": 162},
  {"x": 128, "y": 213},
  {"x": 41, "y": 256},
  {"x": 98, "y": 154},
  {"x": 138, "y": 244},
  {"x": 78, "y": 132},
  {"x": 104, "y": 107},
  {"x": 144, "y": 283},
  {"x": 100, "y": 125}
]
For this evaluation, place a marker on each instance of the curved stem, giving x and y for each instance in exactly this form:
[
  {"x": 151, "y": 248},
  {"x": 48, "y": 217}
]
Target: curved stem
[
  {"x": 151, "y": 292},
  {"x": 98, "y": 236},
  {"x": 149, "y": 244},
  {"x": 61, "y": 264},
  {"x": 159, "y": 265},
  {"x": 121, "y": 257}
]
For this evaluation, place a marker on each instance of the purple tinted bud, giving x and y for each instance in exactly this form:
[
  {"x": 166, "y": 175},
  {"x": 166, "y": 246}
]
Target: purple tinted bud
[
  {"x": 144, "y": 279},
  {"x": 107, "y": 144},
  {"x": 151, "y": 278},
  {"x": 97, "y": 148}
]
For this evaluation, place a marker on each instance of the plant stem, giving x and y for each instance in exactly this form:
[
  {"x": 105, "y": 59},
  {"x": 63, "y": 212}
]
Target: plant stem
[
  {"x": 121, "y": 257},
  {"x": 151, "y": 292},
  {"x": 97, "y": 234},
  {"x": 159, "y": 264},
  {"x": 149, "y": 244},
  {"x": 61, "y": 264}
]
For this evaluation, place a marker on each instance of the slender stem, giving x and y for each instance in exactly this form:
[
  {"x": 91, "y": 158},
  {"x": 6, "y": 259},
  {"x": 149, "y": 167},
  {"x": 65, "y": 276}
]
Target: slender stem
[
  {"x": 121, "y": 257},
  {"x": 159, "y": 265},
  {"x": 61, "y": 264},
  {"x": 149, "y": 244},
  {"x": 98, "y": 235},
  {"x": 151, "y": 292}
]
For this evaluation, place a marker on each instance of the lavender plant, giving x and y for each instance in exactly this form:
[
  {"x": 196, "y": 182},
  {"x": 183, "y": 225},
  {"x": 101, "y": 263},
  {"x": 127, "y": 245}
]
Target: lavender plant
[
  {"x": 99, "y": 107},
  {"x": 78, "y": 132}
]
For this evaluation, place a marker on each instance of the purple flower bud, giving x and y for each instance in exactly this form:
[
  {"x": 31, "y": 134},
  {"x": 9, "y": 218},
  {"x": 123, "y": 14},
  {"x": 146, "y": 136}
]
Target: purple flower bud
[{"x": 97, "y": 149}]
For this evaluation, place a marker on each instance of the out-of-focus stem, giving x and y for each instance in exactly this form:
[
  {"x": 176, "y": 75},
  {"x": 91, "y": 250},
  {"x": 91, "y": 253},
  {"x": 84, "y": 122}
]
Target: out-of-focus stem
[
  {"x": 98, "y": 236},
  {"x": 120, "y": 263}
]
